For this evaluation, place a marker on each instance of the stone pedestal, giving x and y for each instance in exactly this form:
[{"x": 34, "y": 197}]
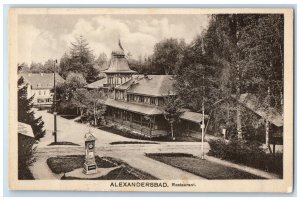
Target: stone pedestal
[{"x": 89, "y": 168}]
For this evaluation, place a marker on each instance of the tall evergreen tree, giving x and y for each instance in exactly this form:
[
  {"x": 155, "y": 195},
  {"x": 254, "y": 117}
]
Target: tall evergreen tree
[
  {"x": 102, "y": 62},
  {"x": 25, "y": 111},
  {"x": 80, "y": 60}
]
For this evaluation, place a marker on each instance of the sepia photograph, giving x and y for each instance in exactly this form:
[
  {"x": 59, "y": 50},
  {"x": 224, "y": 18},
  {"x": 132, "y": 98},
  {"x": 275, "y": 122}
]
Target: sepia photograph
[{"x": 169, "y": 100}]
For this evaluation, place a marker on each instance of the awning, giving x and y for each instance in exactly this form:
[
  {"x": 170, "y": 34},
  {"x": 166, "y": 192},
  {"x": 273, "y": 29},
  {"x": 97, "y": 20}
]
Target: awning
[
  {"x": 143, "y": 109},
  {"x": 25, "y": 129},
  {"x": 193, "y": 117}
]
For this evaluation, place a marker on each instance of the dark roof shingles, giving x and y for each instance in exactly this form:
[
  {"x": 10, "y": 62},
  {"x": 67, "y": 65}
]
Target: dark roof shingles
[{"x": 152, "y": 85}]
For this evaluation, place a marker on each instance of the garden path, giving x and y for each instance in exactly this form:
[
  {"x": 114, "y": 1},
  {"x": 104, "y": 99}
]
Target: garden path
[{"x": 133, "y": 154}]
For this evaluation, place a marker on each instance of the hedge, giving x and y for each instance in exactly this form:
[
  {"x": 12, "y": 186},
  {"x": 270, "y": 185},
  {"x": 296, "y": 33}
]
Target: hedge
[{"x": 248, "y": 153}]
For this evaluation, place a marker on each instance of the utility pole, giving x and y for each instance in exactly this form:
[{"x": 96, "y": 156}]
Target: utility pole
[
  {"x": 54, "y": 102},
  {"x": 202, "y": 123}
]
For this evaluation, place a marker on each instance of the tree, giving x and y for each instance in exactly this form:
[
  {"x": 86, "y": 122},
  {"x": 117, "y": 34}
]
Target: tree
[
  {"x": 144, "y": 66},
  {"x": 64, "y": 64},
  {"x": 49, "y": 66},
  {"x": 196, "y": 84},
  {"x": 262, "y": 48},
  {"x": 172, "y": 111},
  {"x": 26, "y": 113},
  {"x": 166, "y": 55},
  {"x": 101, "y": 62},
  {"x": 75, "y": 80},
  {"x": 80, "y": 60},
  {"x": 90, "y": 102},
  {"x": 79, "y": 99},
  {"x": 65, "y": 91},
  {"x": 194, "y": 65},
  {"x": 36, "y": 67},
  {"x": 96, "y": 108},
  {"x": 222, "y": 44},
  {"x": 23, "y": 68},
  {"x": 248, "y": 50}
]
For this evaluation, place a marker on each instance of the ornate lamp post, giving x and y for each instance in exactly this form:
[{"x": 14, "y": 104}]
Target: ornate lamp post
[{"x": 90, "y": 166}]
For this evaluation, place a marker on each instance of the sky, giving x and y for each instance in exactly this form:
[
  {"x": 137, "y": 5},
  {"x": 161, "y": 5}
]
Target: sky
[{"x": 43, "y": 37}]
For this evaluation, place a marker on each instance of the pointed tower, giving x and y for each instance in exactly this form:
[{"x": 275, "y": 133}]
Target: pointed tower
[{"x": 118, "y": 71}]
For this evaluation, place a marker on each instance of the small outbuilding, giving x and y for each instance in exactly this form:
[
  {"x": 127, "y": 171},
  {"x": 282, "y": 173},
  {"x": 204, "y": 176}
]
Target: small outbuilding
[{"x": 191, "y": 121}]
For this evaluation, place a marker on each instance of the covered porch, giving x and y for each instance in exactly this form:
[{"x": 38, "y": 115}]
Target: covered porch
[{"x": 141, "y": 120}]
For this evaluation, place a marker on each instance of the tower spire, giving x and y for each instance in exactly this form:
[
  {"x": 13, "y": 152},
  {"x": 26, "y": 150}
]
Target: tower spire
[{"x": 120, "y": 45}]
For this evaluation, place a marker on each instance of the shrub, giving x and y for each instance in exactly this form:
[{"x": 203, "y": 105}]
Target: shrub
[
  {"x": 247, "y": 153},
  {"x": 25, "y": 156}
]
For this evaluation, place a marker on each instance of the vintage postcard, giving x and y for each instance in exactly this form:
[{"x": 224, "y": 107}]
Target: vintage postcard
[{"x": 157, "y": 100}]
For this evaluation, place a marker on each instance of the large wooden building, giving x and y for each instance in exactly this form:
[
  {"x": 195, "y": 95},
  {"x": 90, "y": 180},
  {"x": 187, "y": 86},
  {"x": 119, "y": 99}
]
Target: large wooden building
[
  {"x": 137, "y": 104},
  {"x": 135, "y": 101}
]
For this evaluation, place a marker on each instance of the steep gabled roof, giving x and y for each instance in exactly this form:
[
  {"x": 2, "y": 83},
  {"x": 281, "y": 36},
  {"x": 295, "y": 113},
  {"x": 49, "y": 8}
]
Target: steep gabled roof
[
  {"x": 118, "y": 62},
  {"x": 251, "y": 102},
  {"x": 151, "y": 85},
  {"x": 41, "y": 80},
  {"x": 119, "y": 65}
]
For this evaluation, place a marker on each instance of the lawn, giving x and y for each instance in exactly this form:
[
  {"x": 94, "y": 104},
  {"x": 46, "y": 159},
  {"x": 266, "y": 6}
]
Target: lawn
[
  {"x": 64, "y": 164},
  {"x": 116, "y": 174},
  {"x": 203, "y": 168}
]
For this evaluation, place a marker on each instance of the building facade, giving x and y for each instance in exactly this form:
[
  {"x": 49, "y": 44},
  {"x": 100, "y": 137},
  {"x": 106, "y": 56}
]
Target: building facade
[
  {"x": 135, "y": 102},
  {"x": 40, "y": 86}
]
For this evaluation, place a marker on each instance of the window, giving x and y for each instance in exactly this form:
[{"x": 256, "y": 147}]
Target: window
[
  {"x": 40, "y": 100},
  {"x": 152, "y": 101},
  {"x": 156, "y": 101},
  {"x": 45, "y": 92},
  {"x": 147, "y": 100},
  {"x": 130, "y": 97},
  {"x": 142, "y": 99},
  {"x": 40, "y": 92}
]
